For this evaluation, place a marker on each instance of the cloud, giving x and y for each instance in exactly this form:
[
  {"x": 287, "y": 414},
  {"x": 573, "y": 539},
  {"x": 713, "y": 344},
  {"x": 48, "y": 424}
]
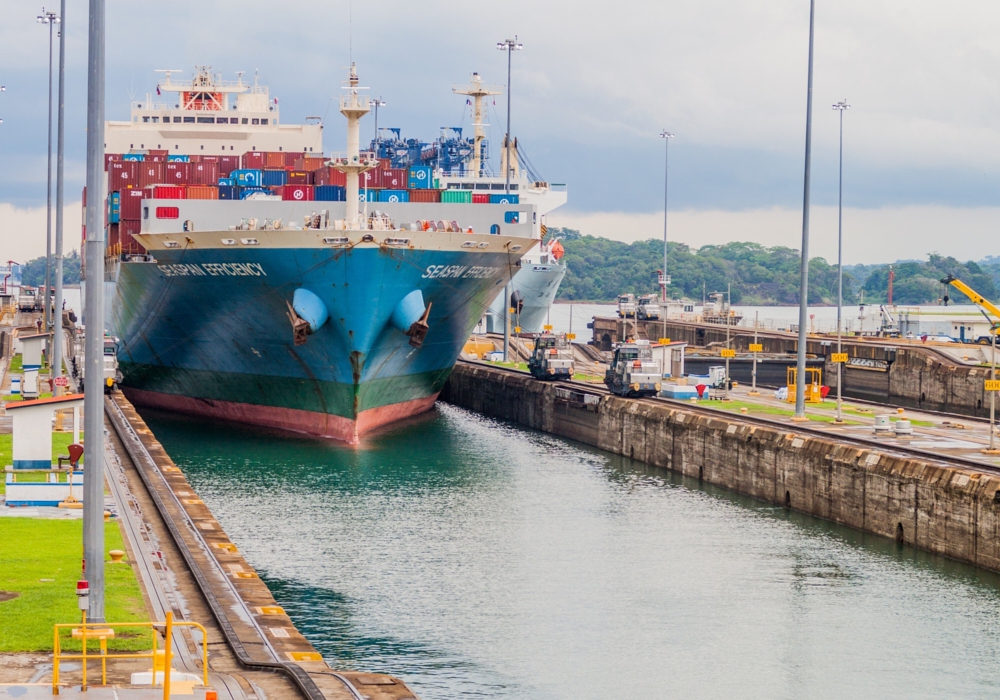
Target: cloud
[
  {"x": 22, "y": 231},
  {"x": 870, "y": 235}
]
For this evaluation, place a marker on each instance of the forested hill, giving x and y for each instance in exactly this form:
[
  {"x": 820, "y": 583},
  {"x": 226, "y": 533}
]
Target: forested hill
[{"x": 600, "y": 269}]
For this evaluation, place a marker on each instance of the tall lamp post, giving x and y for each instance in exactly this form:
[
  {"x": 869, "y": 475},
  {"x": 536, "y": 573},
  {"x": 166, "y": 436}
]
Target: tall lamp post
[
  {"x": 510, "y": 46},
  {"x": 800, "y": 372},
  {"x": 50, "y": 18},
  {"x": 664, "y": 280},
  {"x": 840, "y": 107},
  {"x": 57, "y": 336}
]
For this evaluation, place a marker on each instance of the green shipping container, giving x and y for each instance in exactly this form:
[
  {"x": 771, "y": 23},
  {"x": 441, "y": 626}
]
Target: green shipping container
[{"x": 457, "y": 196}]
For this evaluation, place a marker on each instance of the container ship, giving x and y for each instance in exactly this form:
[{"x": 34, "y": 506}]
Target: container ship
[{"x": 257, "y": 280}]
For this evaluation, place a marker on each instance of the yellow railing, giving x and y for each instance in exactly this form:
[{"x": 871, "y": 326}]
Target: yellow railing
[{"x": 103, "y": 631}]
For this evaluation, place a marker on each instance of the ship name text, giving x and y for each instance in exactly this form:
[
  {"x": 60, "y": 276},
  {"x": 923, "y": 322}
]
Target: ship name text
[
  {"x": 478, "y": 272},
  {"x": 213, "y": 270}
]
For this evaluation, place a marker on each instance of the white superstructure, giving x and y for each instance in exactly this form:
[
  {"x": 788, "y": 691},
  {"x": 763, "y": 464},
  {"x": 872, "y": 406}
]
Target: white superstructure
[{"x": 202, "y": 119}]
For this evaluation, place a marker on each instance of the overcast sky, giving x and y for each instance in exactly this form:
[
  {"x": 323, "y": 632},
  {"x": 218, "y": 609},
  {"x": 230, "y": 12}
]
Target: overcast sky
[{"x": 593, "y": 87}]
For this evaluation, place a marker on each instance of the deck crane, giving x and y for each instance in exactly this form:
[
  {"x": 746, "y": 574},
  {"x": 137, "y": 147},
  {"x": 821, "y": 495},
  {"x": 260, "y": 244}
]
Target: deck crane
[{"x": 986, "y": 307}]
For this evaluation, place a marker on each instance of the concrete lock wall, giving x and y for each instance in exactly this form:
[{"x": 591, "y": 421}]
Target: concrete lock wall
[{"x": 949, "y": 511}]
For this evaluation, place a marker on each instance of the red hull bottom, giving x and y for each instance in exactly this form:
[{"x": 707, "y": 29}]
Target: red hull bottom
[{"x": 308, "y": 422}]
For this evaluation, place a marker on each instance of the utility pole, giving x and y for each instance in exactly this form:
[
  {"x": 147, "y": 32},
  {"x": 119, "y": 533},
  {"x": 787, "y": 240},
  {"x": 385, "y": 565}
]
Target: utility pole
[
  {"x": 800, "y": 387},
  {"x": 57, "y": 336},
  {"x": 664, "y": 280},
  {"x": 753, "y": 373},
  {"x": 510, "y": 46},
  {"x": 93, "y": 403},
  {"x": 729, "y": 313},
  {"x": 50, "y": 18},
  {"x": 840, "y": 107}
]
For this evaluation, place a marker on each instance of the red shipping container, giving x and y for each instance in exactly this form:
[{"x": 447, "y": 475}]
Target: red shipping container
[
  {"x": 395, "y": 179},
  {"x": 299, "y": 177},
  {"x": 151, "y": 174},
  {"x": 369, "y": 178},
  {"x": 109, "y": 157},
  {"x": 291, "y": 157},
  {"x": 154, "y": 159},
  {"x": 165, "y": 192},
  {"x": 205, "y": 173},
  {"x": 177, "y": 173},
  {"x": 123, "y": 174},
  {"x": 425, "y": 195},
  {"x": 202, "y": 192},
  {"x": 126, "y": 230},
  {"x": 480, "y": 198},
  {"x": 298, "y": 193},
  {"x": 131, "y": 203},
  {"x": 329, "y": 176},
  {"x": 274, "y": 159},
  {"x": 228, "y": 164},
  {"x": 253, "y": 160},
  {"x": 158, "y": 152},
  {"x": 205, "y": 159},
  {"x": 309, "y": 163}
]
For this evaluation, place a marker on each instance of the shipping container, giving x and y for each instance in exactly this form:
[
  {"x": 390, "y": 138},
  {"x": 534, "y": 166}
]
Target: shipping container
[
  {"x": 178, "y": 158},
  {"x": 425, "y": 195},
  {"x": 114, "y": 207},
  {"x": 299, "y": 177},
  {"x": 395, "y": 179},
  {"x": 309, "y": 163},
  {"x": 456, "y": 196},
  {"x": 192, "y": 158},
  {"x": 329, "y": 176},
  {"x": 123, "y": 175},
  {"x": 111, "y": 157},
  {"x": 164, "y": 192},
  {"x": 228, "y": 192},
  {"x": 272, "y": 177},
  {"x": 368, "y": 178},
  {"x": 393, "y": 196},
  {"x": 154, "y": 159},
  {"x": 151, "y": 174},
  {"x": 367, "y": 195},
  {"x": 158, "y": 152},
  {"x": 205, "y": 173},
  {"x": 225, "y": 182},
  {"x": 206, "y": 159},
  {"x": 134, "y": 157},
  {"x": 244, "y": 192},
  {"x": 420, "y": 177},
  {"x": 131, "y": 203},
  {"x": 127, "y": 229},
  {"x": 247, "y": 178},
  {"x": 298, "y": 193},
  {"x": 202, "y": 192},
  {"x": 177, "y": 173},
  {"x": 504, "y": 199},
  {"x": 330, "y": 193},
  {"x": 228, "y": 164},
  {"x": 274, "y": 159},
  {"x": 478, "y": 198},
  {"x": 291, "y": 158},
  {"x": 253, "y": 160}
]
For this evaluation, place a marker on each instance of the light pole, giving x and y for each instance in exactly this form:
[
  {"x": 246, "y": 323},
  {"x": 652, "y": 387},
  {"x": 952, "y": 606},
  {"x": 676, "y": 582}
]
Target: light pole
[
  {"x": 510, "y": 46},
  {"x": 800, "y": 372},
  {"x": 50, "y": 18},
  {"x": 57, "y": 335},
  {"x": 840, "y": 107},
  {"x": 93, "y": 389},
  {"x": 376, "y": 103},
  {"x": 3, "y": 88},
  {"x": 666, "y": 136}
]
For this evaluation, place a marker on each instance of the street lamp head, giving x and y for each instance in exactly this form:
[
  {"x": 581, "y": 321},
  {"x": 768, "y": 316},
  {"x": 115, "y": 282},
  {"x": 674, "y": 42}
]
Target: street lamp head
[
  {"x": 48, "y": 17},
  {"x": 842, "y": 105},
  {"x": 510, "y": 44},
  {"x": 666, "y": 134}
]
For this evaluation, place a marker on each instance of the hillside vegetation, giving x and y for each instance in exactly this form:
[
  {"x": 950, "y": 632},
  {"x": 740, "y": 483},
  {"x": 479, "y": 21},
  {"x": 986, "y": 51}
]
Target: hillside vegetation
[{"x": 600, "y": 269}]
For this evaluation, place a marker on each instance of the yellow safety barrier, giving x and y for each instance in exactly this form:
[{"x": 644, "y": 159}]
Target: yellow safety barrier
[{"x": 103, "y": 631}]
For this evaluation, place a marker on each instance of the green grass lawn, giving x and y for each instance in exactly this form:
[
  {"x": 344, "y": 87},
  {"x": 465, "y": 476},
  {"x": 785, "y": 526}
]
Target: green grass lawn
[
  {"x": 16, "y": 366},
  {"x": 33, "y": 551},
  {"x": 60, "y": 441},
  {"x": 735, "y": 406}
]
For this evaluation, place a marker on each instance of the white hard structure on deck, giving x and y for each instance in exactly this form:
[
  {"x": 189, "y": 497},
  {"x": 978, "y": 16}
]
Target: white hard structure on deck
[
  {"x": 33, "y": 428},
  {"x": 477, "y": 92}
]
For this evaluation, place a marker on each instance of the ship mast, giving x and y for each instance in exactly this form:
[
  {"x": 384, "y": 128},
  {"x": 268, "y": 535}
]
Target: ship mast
[
  {"x": 354, "y": 106},
  {"x": 477, "y": 92}
]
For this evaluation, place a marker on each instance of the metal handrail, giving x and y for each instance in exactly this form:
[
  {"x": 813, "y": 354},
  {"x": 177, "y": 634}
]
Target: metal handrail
[{"x": 169, "y": 624}]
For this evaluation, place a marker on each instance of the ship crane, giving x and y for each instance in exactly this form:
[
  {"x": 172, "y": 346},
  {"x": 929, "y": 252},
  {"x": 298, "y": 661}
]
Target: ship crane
[{"x": 986, "y": 307}]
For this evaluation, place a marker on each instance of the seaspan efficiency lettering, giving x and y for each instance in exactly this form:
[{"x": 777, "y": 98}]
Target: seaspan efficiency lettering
[
  {"x": 434, "y": 272},
  {"x": 213, "y": 269}
]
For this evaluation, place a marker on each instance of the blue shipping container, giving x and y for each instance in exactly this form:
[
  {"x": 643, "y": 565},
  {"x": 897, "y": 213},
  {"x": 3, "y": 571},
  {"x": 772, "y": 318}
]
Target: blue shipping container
[
  {"x": 274, "y": 178},
  {"x": 393, "y": 196},
  {"x": 421, "y": 177},
  {"x": 504, "y": 199},
  {"x": 179, "y": 159},
  {"x": 330, "y": 193},
  {"x": 134, "y": 156},
  {"x": 114, "y": 207},
  {"x": 372, "y": 195},
  {"x": 245, "y": 192},
  {"x": 227, "y": 192},
  {"x": 247, "y": 178},
  {"x": 226, "y": 182}
]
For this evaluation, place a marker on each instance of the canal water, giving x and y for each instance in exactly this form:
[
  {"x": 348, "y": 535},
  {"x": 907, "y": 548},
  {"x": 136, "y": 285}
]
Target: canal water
[{"x": 478, "y": 560}]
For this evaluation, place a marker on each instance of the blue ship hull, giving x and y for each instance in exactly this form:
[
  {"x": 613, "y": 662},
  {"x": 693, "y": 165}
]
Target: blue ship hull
[{"x": 207, "y": 331}]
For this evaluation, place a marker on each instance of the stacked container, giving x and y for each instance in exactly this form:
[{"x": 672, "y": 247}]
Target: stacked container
[
  {"x": 456, "y": 196},
  {"x": 330, "y": 193},
  {"x": 393, "y": 196},
  {"x": 480, "y": 198},
  {"x": 420, "y": 177},
  {"x": 248, "y": 177},
  {"x": 272, "y": 177},
  {"x": 298, "y": 193},
  {"x": 425, "y": 195}
]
